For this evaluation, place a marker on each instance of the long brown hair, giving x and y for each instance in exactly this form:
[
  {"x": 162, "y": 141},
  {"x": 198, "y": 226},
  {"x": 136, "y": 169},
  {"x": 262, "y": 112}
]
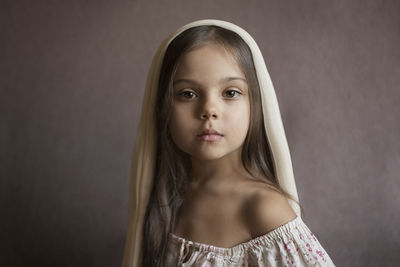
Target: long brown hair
[{"x": 172, "y": 172}]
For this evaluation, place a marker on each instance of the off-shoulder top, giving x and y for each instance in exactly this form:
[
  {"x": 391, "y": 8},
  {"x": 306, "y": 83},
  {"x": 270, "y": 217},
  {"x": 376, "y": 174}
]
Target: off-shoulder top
[{"x": 291, "y": 244}]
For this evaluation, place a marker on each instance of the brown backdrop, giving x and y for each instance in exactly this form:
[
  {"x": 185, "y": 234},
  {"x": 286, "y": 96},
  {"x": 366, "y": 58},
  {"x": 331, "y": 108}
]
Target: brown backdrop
[{"x": 72, "y": 76}]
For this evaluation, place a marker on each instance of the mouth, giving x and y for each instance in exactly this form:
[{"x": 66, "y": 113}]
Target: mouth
[{"x": 210, "y": 135}]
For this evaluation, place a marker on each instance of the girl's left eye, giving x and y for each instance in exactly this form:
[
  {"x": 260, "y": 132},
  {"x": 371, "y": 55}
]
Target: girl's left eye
[{"x": 232, "y": 93}]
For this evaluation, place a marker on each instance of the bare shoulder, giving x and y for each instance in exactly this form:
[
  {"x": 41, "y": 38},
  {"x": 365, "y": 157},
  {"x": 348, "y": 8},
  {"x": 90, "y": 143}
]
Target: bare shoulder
[{"x": 266, "y": 209}]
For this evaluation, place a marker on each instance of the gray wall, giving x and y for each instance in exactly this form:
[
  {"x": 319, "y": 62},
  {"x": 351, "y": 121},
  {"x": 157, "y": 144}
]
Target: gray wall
[{"x": 72, "y": 76}]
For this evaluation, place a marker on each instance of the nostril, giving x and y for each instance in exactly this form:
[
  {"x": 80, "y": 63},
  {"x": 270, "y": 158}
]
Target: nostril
[{"x": 208, "y": 115}]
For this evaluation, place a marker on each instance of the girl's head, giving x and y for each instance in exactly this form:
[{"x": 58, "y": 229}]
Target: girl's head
[
  {"x": 208, "y": 81},
  {"x": 209, "y": 94}
]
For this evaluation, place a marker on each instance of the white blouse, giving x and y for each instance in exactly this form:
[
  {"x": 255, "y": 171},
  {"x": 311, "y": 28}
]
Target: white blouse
[{"x": 291, "y": 244}]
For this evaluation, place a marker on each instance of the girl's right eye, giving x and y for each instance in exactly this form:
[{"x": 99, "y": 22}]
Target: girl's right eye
[{"x": 188, "y": 94}]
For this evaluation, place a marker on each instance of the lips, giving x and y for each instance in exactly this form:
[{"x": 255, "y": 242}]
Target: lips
[
  {"x": 210, "y": 135},
  {"x": 209, "y": 131}
]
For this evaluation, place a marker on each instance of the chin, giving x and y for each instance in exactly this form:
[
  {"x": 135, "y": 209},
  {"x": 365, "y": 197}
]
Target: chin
[
  {"x": 207, "y": 156},
  {"x": 207, "y": 153}
]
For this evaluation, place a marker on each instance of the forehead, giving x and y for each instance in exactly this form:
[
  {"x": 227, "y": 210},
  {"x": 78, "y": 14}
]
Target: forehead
[{"x": 207, "y": 61}]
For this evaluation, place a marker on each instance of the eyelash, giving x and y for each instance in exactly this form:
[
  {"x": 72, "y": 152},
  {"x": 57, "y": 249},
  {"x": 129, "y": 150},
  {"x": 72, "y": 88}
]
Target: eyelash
[{"x": 231, "y": 90}]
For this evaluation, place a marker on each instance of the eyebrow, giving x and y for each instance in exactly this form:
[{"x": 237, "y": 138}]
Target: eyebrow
[{"x": 223, "y": 80}]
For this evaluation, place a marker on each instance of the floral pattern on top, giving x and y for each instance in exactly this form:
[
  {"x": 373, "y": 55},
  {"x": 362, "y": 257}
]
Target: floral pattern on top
[{"x": 291, "y": 244}]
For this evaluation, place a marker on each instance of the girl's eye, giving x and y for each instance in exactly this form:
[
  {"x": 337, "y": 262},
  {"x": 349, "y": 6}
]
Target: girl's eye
[
  {"x": 232, "y": 93},
  {"x": 188, "y": 94}
]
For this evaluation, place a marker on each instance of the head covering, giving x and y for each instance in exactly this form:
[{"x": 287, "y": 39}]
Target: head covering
[{"x": 144, "y": 153}]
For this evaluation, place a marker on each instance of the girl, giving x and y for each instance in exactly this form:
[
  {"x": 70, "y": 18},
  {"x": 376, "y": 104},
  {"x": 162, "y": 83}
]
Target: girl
[{"x": 212, "y": 181}]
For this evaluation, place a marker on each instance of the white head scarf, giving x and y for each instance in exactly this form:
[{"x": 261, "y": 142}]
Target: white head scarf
[{"x": 143, "y": 158}]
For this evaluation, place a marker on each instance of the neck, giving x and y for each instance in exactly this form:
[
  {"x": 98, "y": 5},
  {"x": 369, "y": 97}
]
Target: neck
[{"x": 219, "y": 171}]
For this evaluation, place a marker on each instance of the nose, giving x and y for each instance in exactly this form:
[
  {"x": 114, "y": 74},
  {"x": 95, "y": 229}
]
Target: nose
[
  {"x": 209, "y": 114},
  {"x": 209, "y": 110}
]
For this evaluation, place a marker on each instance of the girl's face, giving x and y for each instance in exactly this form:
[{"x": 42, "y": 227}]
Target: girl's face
[{"x": 210, "y": 93}]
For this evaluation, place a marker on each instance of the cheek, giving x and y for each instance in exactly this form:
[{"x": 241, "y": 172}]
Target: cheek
[
  {"x": 180, "y": 122},
  {"x": 239, "y": 119},
  {"x": 240, "y": 115}
]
